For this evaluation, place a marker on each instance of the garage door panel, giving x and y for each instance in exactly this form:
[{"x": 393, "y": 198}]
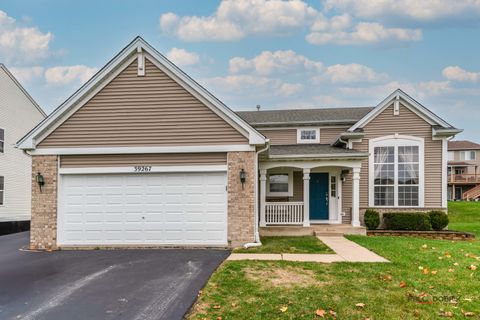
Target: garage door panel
[{"x": 168, "y": 208}]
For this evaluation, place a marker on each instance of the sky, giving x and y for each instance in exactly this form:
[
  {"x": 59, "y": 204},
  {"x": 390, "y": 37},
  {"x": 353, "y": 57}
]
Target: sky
[{"x": 277, "y": 54}]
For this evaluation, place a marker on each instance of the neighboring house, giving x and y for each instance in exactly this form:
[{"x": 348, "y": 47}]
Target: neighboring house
[
  {"x": 463, "y": 170},
  {"x": 18, "y": 114},
  {"x": 143, "y": 155}
]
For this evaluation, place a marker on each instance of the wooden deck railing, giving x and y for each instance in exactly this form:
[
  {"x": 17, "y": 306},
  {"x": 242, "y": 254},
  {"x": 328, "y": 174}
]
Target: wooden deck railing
[
  {"x": 464, "y": 178},
  {"x": 284, "y": 213}
]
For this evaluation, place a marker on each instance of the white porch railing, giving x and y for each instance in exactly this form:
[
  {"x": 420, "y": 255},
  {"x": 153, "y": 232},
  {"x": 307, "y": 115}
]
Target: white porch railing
[{"x": 284, "y": 213}]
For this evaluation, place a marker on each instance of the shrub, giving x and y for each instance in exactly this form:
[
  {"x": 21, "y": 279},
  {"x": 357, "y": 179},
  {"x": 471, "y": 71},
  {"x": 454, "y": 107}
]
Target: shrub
[
  {"x": 438, "y": 220},
  {"x": 418, "y": 221},
  {"x": 372, "y": 219}
]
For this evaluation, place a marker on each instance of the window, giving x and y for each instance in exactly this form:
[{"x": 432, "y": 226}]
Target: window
[
  {"x": 2, "y": 189},
  {"x": 2, "y": 140},
  {"x": 308, "y": 135},
  {"x": 396, "y": 169},
  {"x": 467, "y": 155},
  {"x": 280, "y": 183},
  {"x": 333, "y": 186},
  {"x": 451, "y": 156}
]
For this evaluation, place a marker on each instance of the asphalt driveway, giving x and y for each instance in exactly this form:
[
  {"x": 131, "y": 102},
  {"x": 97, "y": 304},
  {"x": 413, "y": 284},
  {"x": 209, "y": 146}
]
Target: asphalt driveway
[{"x": 116, "y": 284}]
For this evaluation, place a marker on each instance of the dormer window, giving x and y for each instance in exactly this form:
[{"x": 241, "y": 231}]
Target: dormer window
[{"x": 308, "y": 135}]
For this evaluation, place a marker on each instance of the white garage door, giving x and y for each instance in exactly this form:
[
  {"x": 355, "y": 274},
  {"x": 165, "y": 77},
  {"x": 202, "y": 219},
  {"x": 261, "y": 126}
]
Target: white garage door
[{"x": 154, "y": 208}]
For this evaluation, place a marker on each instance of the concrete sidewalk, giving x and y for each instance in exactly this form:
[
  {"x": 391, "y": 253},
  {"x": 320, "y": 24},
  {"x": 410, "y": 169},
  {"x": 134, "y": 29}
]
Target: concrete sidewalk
[{"x": 345, "y": 251}]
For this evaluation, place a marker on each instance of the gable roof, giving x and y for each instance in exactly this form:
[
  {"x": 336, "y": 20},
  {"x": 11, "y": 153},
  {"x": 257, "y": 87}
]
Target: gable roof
[
  {"x": 463, "y": 145},
  {"x": 29, "y": 97},
  {"x": 434, "y": 120},
  {"x": 320, "y": 116},
  {"x": 102, "y": 77}
]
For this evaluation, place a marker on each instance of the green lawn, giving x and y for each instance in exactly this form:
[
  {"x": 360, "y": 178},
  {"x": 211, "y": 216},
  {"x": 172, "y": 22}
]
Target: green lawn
[
  {"x": 464, "y": 216},
  {"x": 304, "y": 244},
  {"x": 426, "y": 279}
]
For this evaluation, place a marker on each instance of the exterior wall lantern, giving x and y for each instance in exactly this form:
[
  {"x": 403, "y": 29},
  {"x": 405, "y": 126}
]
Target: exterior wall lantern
[
  {"x": 40, "y": 180},
  {"x": 243, "y": 177},
  {"x": 344, "y": 174}
]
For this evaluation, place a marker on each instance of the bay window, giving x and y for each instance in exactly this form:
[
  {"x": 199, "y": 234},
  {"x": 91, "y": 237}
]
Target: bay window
[{"x": 396, "y": 172}]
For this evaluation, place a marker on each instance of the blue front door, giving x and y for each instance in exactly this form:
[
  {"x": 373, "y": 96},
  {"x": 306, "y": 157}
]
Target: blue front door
[{"x": 318, "y": 196}]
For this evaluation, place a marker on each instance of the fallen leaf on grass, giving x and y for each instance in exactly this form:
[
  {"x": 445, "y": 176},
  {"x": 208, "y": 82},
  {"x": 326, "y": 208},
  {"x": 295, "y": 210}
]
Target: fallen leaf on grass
[
  {"x": 446, "y": 314},
  {"x": 450, "y": 270},
  {"x": 387, "y": 278},
  {"x": 360, "y": 305},
  {"x": 216, "y": 307},
  {"x": 472, "y": 267},
  {"x": 233, "y": 304},
  {"x": 320, "y": 313},
  {"x": 402, "y": 284},
  {"x": 447, "y": 254},
  {"x": 468, "y": 313},
  {"x": 434, "y": 272},
  {"x": 425, "y": 271},
  {"x": 284, "y": 309},
  {"x": 455, "y": 264},
  {"x": 424, "y": 246},
  {"x": 333, "y": 313},
  {"x": 467, "y": 299}
]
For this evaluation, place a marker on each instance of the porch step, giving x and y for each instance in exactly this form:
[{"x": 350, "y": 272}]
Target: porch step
[{"x": 317, "y": 230}]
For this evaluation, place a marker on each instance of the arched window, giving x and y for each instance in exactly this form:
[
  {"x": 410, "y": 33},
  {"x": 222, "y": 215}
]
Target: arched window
[{"x": 396, "y": 171}]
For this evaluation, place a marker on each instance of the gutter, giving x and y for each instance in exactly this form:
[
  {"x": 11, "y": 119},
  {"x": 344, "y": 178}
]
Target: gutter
[
  {"x": 257, "y": 242},
  {"x": 333, "y": 156}
]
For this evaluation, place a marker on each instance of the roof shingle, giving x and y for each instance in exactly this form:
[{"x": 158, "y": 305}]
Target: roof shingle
[
  {"x": 463, "y": 145},
  {"x": 305, "y": 116}
]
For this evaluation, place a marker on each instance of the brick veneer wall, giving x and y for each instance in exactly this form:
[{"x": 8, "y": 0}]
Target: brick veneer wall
[
  {"x": 43, "y": 225},
  {"x": 241, "y": 201}
]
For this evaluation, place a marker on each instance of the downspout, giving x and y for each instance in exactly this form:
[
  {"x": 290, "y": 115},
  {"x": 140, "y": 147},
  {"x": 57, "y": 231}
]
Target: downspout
[{"x": 257, "y": 242}]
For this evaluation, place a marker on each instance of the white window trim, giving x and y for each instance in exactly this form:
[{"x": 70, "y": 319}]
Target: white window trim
[
  {"x": 299, "y": 135},
  {"x": 289, "y": 193},
  {"x": 463, "y": 155},
  {"x": 397, "y": 140}
]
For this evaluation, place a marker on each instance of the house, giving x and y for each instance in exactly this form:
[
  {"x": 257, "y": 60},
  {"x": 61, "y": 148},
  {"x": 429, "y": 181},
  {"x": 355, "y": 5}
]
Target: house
[
  {"x": 18, "y": 114},
  {"x": 463, "y": 170},
  {"x": 142, "y": 155}
]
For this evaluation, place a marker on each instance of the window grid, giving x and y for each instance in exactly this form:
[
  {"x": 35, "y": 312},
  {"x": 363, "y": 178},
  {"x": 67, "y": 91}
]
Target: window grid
[
  {"x": 308, "y": 135},
  {"x": 333, "y": 186},
  {"x": 396, "y": 172}
]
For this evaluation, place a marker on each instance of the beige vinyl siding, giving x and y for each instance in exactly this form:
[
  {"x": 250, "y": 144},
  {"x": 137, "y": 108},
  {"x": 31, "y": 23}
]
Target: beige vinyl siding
[
  {"x": 152, "y": 159},
  {"x": 281, "y": 136},
  {"x": 407, "y": 123},
  {"x": 329, "y": 135},
  {"x": 135, "y": 111},
  {"x": 289, "y": 136}
]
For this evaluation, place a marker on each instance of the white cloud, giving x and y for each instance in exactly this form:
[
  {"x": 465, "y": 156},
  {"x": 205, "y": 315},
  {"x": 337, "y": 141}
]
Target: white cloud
[
  {"x": 455, "y": 73},
  {"x": 350, "y": 73},
  {"x": 253, "y": 85},
  {"x": 22, "y": 44},
  {"x": 268, "y": 62},
  {"x": 182, "y": 57},
  {"x": 27, "y": 74},
  {"x": 234, "y": 20},
  {"x": 64, "y": 75},
  {"x": 363, "y": 33},
  {"x": 423, "y": 10}
]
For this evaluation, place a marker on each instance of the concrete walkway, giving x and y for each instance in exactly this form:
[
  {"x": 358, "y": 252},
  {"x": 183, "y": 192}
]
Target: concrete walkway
[
  {"x": 345, "y": 251},
  {"x": 349, "y": 250}
]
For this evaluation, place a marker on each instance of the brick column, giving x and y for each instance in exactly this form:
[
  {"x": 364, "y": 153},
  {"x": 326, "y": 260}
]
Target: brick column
[
  {"x": 43, "y": 226},
  {"x": 241, "y": 200}
]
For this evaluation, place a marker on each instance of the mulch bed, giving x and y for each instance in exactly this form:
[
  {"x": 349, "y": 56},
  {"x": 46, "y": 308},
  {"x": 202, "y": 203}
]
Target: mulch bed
[{"x": 445, "y": 235}]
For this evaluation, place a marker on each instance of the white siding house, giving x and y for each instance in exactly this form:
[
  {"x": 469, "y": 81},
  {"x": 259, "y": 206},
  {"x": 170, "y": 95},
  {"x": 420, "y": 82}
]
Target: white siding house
[{"x": 19, "y": 113}]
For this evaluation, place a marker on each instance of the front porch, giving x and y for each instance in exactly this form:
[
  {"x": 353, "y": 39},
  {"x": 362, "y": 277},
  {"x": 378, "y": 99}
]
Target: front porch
[{"x": 306, "y": 193}]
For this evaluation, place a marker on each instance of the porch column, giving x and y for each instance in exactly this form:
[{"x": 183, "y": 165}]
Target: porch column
[
  {"x": 306, "y": 197},
  {"x": 356, "y": 198},
  {"x": 263, "y": 196}
]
